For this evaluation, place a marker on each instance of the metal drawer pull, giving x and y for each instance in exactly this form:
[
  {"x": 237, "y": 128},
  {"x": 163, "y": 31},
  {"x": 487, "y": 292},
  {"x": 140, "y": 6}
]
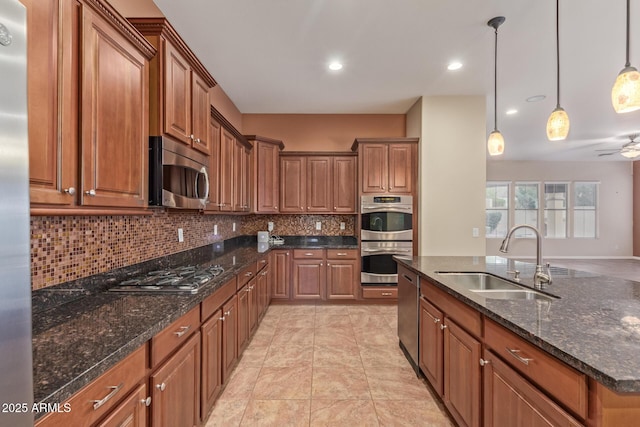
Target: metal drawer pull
[
  {"x": 386, "y": 294},
  {"x": 114, "y": 390},
  {"x": 484, "y": 362},
  {"x": 436, "y": 320},
  {"x": 183, "y": 330},
  {"x": 341, "y": 254},
  {"x": 146, "y": 402},
  {"x": 443, "y": 327},
  {"x": 91, "y": 192},
  {"x": 70, "y": 191},
  {"x": 516, "y": 354},
  {"x": 248, "y": 274},
  {"x": 308, "y": 254},
  {"x": 408, "y": 278},
  {"x": 161, "y": 387}
]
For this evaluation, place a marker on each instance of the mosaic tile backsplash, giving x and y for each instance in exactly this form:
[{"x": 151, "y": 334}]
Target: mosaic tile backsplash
[{"x": 65, "y": 248}]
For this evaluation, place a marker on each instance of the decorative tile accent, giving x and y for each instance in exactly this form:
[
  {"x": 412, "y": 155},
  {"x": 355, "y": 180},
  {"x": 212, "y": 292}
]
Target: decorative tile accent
[{"x": 300, "y": 225}]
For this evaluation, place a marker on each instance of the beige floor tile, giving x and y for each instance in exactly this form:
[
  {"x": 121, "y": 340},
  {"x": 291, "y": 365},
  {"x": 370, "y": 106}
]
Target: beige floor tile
[
  {"x": 365, "y": 309},
  {"x": 226, "y": 413},
  {"x": 332, "y": 309},
  {"x": 392, "y": 321},
  {"x": 283, "y": 383},
  {"x": 369, "y": 321},
  {"x": 289, "y": 355},
  {"x": 340, "y": 383},
  {"x": 343, "y": 413},
  {"x": 336, "y": 356},
  {"x": 299, "y": 310},
  {"x": 253, "y": 356},
  {"x": 391, "y": 309},
  {"x": 293, "y": 336},
  {"x": 332, "y": 320},
  {"x": 240, "y": 384},
  {"x": 382, "y": 356},
  {"x": 379, "y": 336},
  {"x": 297, "y": 321},
  {"x": 396, "y": 383},
  {"x": 277, "y": 413},
  {"x": 336, "y": 336},
  {"x": 410, "y": 413},
  {"x": 262, "y": 338}
]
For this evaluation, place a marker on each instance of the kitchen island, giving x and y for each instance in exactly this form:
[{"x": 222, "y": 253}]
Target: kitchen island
[{"x": 591, "y": 323}]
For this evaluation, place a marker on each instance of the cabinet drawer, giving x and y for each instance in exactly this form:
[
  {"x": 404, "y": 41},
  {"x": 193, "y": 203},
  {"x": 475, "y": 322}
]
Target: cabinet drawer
[
  {"x": 308, "y": 253},
  {"x": 262, "y": 263},
  {"x": 464, "y": 316},
  {"x": 216, "y": 299},
  {"x": 378, "y": 293},
  {"x": 101, "y": 395},
  {"x": 245, "y": 275},
  {"x": 565, "y": 384},
  {"x": 342, "y": 254},
  {"x": 174, "y": 335}
]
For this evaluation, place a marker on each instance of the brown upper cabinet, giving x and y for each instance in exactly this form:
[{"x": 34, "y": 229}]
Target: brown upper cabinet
[
  {"x": 317, "y": 182},
  {"x": 387, "y": 165},
  {"x": 87, "y": 148},
  {"x": 265, "y": 171},
  {"x": 179, "y": 89}
]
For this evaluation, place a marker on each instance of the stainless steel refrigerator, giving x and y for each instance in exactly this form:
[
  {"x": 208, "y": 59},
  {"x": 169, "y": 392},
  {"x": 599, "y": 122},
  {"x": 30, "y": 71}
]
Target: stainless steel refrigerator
[{"x": 16, "y": 375}]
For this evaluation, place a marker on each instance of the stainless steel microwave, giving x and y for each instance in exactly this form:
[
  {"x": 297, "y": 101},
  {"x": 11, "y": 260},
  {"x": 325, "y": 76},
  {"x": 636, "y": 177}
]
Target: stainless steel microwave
[{"x": 178, "y": 175}]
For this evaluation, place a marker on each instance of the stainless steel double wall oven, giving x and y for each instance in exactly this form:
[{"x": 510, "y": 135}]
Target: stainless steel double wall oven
[{"x": 386, "y": 230}]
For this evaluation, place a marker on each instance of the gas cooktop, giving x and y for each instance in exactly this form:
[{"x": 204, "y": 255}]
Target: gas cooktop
[{"x": 180, "y": 280}]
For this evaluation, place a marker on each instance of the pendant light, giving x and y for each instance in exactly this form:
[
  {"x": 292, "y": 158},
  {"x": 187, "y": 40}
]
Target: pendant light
[
  {"x": 625, "y": 94},
  {"x": 495, "y": 144},
  {"x": 558, "y": 123}
]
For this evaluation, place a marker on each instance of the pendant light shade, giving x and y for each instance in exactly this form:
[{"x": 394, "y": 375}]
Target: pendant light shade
[
  {"x": 625, "y": 95},
  {"x": 558, "y": 123},
  {"x": 495, "y": 143}
]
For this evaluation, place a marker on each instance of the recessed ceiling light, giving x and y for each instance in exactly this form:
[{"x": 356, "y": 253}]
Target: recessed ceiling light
[
  {"x": 511, "y": 111},
  {"x": 455, "y": 65},
  {"x": 335, "y": 66},
  {"x": 536, "y": 98}
]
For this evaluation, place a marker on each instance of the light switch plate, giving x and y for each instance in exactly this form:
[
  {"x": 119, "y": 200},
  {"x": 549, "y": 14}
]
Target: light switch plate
[
  {"x": 215, "y": 229},
  {"x": 233, "y": 227},
  {"x": 180, "y": 235},
  {"x": 270, "y": 226},
  {"x": 475, "y": 232},
  {"x": 318, "y": 225},
  {"x": 342, "y": 226}
]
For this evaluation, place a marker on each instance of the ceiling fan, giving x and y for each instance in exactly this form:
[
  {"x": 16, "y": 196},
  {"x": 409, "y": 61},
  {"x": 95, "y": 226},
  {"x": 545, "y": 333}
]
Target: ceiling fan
[{"x": 629, "y": 150}]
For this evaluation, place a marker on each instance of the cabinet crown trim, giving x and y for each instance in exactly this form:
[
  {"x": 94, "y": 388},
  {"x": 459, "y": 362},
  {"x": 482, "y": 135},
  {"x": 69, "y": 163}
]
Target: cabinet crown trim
[
  {"x": 359, "y": 141},
  {"x": 162, "y": 27},
  {"x": 259, "y": 138},
  {"x": 318, "y": 153}
]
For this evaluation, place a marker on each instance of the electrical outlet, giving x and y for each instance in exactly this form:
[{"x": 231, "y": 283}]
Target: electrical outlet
[
  {"x": 475, "y": 232},
  {"x": 342, "y": 226},
  {"x": 180, "y": 235},
  {"x": 233, "y": 227},
  {"x": 270, "y": 226},
  {"x": 318, "y": 225},
  {"x": 215, "y": 229}
]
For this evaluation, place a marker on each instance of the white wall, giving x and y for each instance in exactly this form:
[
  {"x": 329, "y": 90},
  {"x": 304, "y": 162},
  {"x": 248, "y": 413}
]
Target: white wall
[
  {"x": 615, "y": 200},
  {"x": 452, "y": 174}
]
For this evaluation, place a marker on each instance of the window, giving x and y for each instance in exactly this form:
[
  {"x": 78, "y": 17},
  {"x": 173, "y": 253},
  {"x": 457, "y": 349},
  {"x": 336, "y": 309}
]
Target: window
[
  {"x": 555, "y": 209},
  {"x": 585, "y": 201},
  {"x": 526, "y": 207},
  {"x": 497, "y": 209}
]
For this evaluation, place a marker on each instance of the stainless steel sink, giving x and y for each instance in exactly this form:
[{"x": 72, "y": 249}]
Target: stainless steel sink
[{"x": 492, "y": 287}]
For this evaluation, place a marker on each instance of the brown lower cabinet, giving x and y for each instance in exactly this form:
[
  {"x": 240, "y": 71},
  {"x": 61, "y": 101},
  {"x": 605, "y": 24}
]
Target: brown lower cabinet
[
  {"x": 431, "y": 345},
  {"x": 212, "y": 348},
  {"x": 280, "y": 274},
  {"x": 229, "y": 337},
  {"x": 132, "y": 412}
]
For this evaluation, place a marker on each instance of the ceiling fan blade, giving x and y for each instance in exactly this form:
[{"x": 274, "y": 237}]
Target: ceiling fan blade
[
  {"x": 606, "y": 154},
  {"x": 608, "y": 149}
]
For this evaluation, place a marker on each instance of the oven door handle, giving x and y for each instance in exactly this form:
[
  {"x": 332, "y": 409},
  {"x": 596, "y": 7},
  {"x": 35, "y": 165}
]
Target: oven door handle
[{"x": 387, "y": 250}]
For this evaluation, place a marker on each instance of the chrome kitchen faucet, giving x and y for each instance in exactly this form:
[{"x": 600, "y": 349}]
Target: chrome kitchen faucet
[{"x": 540, "y": 278}]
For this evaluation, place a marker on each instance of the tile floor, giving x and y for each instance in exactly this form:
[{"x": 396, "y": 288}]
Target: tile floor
[{"x": 326, "y": 366}]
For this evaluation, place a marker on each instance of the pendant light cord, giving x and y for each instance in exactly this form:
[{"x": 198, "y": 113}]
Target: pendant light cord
[
  {"x": 558, "y": 53},
  {"x": 628, "y": 64},
  {"x": 495, "y": 84}
]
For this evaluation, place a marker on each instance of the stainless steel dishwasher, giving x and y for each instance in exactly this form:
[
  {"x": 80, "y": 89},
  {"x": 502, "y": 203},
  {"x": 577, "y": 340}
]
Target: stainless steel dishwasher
[{"x": 408, "y": 315}]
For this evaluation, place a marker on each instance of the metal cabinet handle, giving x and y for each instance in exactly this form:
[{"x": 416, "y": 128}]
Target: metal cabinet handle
[
  {"x": 436, "y": 320},
  {"x": 341, "y": 254},
  {"x": 328, "y": 264},
  {"x": 70, "y": 191},
  {"x": 222, "y": 318},
  {"x": 386, "y": 294},
  {"x": 408, "y": 278},
  {"x": 161, "y": 387},
  {"x": 114, "y": 390},
  {"x": 275, "y": 207},
  {"x": 335, "y": 208},
  {"x": 146, "y": 402},
  {"x": 484, "y": 362},
  {"x": 198, "y": 141},
  {"x": 248, "y": 274},
  {"x": 308, "y": 254},
  {"x": 183, "y": 330},
  {"x": 91, "y": 192},
  {"x": 191, "y": 137},
  {"x": 287, "y": 254},
  {"x": 443, "y": 327},
  {"x": 516, "y": 354}
]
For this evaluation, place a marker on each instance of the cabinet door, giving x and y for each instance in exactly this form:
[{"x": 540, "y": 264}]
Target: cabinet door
[
  {"x": 131, "y": 412},
  {"x": 281, "y": 261},
  {"x": 462, "y": 375},
  {"x": 342, "y": 279},
  {"x": 227, "y": 147},
  {"x": 211, "y": 362},
  {"x": 344, "y": 184},
  {"x": 431, "y": 345},
  {"x": 319, "y": 184},
  {"x": 401, "y": 168},
  {"x": 243, "y": 318},
  {"x": 176, "y": 388},
  {"x": 308, "y": 279},
  {"x": 200, "y": 114},
  {"x": 114, "y": 129},
  {"x": 253, "y": 305},
  {"x": 52, "y": 160},
  {"x": 263, "y": 281},
  {"x": 214, "y": 165},
  {"x": 177, "y": 95},
  {"x": 292, "y": 184},
  {"x": 246, "y": 179},
  {"x": 229, "y": 337},
  {"x": 510, "y": 400},
  {"x": 374, "y": 168},
  {"x": 266, "y": 180}
]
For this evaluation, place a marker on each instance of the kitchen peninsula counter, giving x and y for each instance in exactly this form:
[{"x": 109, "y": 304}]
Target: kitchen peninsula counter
[{"x": 594, "y": 325}]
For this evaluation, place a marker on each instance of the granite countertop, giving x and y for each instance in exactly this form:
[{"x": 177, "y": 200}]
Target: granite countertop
[
  {"x": 318, "y": 242},
  {"x": 594, "y": 325},
  {"x": 80, "y": 330}
]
